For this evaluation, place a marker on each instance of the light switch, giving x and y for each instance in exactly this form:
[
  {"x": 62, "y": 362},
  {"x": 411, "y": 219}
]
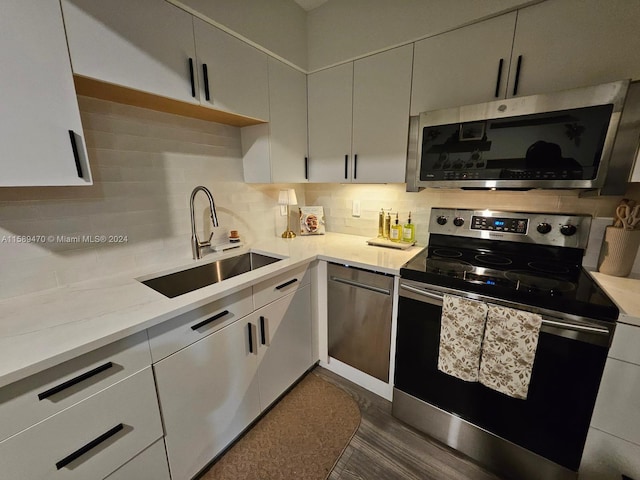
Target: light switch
[{"x": 355, "y": 208}]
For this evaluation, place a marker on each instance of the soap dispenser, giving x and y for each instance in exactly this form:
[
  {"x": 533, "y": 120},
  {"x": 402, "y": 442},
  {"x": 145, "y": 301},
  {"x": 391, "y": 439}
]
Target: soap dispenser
[
  {"x": 396, "y": 231},
  {"x": 409, "y": 231}
]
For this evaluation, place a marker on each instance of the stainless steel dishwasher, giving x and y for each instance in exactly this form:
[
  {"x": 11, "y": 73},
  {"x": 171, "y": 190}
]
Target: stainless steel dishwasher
[{"x": 360, "y": 306}]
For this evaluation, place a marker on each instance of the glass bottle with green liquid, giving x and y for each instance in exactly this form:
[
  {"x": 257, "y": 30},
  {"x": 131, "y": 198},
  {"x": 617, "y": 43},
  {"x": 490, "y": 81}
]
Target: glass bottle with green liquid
[{"x": 409, "y": 231}]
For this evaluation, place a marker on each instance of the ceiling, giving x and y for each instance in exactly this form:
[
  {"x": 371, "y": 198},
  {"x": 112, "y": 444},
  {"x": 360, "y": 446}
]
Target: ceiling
[{"x": 310, "y": 4}]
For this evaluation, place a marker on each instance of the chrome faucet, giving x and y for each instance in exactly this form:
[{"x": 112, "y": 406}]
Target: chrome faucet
[{"x": 197, "y": 245}]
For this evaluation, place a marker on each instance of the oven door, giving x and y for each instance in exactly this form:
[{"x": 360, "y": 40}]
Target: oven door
[{"x": 552, "y": 421}]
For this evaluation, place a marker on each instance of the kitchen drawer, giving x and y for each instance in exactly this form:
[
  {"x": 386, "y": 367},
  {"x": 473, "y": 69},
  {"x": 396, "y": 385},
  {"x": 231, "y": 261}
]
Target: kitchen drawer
[
  {"x": 277, "y": 287},
  {"x": 172, "y": 335},
  {"x": 39, "y": 396},
  {"x": 625, "y": 344},
  {"x": 150, "y": 464},
  {"x": 88, "y": 440}
]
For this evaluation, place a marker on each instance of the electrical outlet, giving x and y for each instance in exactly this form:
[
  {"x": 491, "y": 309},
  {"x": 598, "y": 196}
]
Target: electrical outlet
[
  {"x": 283, "y": 210},
  {"x": 355, "y": 208}
]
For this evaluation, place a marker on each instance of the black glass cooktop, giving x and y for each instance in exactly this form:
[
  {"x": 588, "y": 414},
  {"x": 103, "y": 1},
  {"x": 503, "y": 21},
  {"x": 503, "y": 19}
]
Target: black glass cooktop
[{"x": 541, "y": 276}]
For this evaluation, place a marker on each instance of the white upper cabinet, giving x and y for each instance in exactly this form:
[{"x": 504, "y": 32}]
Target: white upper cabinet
[
  {"x": 465, "y": 66},
  {"x": 572, "y": 43},
  {"x": 233, "y": 74},
  {"x": 330, "y": 101},
  {"x": 145, "y": 45},
  {"x": 155, "y": 47},
  {"x": 277, "y": 152},
  {"x": 381, "y": 94},
  {"x": 41, "y": 139},
  {"x": 358, "y": 119}
]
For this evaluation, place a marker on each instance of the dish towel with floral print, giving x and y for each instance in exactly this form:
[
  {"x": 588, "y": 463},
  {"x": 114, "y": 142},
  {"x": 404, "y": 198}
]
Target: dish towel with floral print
[
  {"x": 509, "y": 349},
  {"x": 461, "y": 332}
]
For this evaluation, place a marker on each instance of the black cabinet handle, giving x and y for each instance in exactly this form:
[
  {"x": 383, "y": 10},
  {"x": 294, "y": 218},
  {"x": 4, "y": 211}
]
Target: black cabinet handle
[
  {"x": 92, "y": 444},
  {"x": 355, "y": 166},
  {"x": 306, "y": 168},
  {"x": 250, "y": 325},
  {"x": 263, "y": 332},
  {"x": 76, "y": 154},
  {"x": 497, "y": 95},
  {"x": 205, "y": 79},
  {"x": 74, "y": 381},
  {"x": 193, "y": 80},
  {"x": 286, "y": 284},
  {"x": 517, "y": 80},
  {"x": 346, "y": 166},
  {"x": 209, "y": 320}
]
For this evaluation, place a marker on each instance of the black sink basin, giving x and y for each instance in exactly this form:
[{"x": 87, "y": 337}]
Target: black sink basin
[{"x": 185, "y": 281}]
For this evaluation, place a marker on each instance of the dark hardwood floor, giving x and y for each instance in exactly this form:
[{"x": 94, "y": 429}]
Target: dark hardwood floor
[{"x": 384, "y": 448}]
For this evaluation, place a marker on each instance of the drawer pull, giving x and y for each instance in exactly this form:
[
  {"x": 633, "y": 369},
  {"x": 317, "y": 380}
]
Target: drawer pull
[
  {"x": 209, "y": 320},
  {"x": 74, "y": 381},
  {"x": 286, "y": 284},
  {"x": 263, "y": 331},
  {"x": 92, "y": 444},
  {"x": 252, "y": 335}
]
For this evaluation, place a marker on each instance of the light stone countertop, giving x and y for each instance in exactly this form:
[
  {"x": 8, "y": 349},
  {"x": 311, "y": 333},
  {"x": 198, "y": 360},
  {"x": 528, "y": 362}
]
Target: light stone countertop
[
  {"x": 43, "y": 329},
  {"x": 625, "y": 292}
]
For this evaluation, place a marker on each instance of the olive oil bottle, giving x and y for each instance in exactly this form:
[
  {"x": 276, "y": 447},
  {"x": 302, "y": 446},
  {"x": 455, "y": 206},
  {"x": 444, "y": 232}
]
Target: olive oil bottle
[
  {"x": 396, "y": 231},
  {"x": 409, "y": 231}
]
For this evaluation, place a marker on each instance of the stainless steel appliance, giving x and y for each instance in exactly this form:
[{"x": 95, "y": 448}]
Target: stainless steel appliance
[
  {"x": 360, "y": 304},
  {"x": 557, "y": 140},
  {"x": 529, "y": 262}
]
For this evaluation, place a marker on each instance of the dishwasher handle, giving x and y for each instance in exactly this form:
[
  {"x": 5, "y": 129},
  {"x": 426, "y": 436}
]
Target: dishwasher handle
[{"x": 352, "y": 283}]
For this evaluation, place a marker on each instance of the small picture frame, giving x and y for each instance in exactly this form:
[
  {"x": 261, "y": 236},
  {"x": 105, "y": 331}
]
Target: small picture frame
[
  {"x": 471, "y": 131},
  {"x": 312, "y": 220}
]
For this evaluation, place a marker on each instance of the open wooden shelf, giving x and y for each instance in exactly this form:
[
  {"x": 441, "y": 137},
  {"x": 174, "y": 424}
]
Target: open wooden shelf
[{"x": 106, "y": 91}]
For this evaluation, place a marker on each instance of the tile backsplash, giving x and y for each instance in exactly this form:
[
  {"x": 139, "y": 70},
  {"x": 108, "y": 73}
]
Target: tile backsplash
[{"x": 145, "y": 165}]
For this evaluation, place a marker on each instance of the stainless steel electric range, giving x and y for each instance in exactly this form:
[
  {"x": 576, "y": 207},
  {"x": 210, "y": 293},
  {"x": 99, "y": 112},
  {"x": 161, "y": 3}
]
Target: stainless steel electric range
[{"x": 526, "y": 261}]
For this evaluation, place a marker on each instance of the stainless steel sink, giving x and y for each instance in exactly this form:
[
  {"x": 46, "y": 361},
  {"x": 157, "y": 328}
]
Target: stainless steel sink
[{"x": 185, "y": 281}]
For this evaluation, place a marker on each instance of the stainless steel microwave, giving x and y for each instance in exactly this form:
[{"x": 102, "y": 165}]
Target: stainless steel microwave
[{"x": 558, "y": 140}]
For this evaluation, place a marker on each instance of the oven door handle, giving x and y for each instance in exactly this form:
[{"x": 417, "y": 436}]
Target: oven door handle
[
  {"x": 547, "y": 322},
  {"x": 576, "y": 327},
  {"x": 430, "y": 295}
]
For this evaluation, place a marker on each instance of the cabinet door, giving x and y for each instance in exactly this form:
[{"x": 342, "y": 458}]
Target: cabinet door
[
  {"x": 40, "y": 111},
  {"x": 462, "y": 67},
  {"x": 381, "y": 97},
  {"x": 330, "y": 119},
  {"x": 145, "y": 45},
  {"x": 208, "y": 394},
  {"x": 284, "y": 335},
  {"x": 237, "y": 73},
  {"x": 287, "y": 123},
  {"x": 573, "y": 43},
  {"x": 277, "y": 152}
]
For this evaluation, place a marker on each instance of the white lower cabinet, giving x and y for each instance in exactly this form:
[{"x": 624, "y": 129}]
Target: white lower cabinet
[
  {"x": 284, "y": 328},
  {"x": 90, "y": 439},
  {"x": 213, "y": 389},
  {"x": 151, "y": 464},
  {"x": 612, "y": 448},
  {"x": 208, "y": 394}
]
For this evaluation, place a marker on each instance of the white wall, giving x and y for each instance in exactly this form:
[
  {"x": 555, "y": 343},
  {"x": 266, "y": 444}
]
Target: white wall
[
  {"x": 277, "y": 25},
  {"x": 145, "y": 165},
  {"x": 344, "y": 29}
]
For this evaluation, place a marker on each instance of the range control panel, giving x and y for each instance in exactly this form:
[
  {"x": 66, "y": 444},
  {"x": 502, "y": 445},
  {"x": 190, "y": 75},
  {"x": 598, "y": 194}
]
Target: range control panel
[
  {"x": 500, "y": 224},
  {"x": 557, "y": 229}
]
